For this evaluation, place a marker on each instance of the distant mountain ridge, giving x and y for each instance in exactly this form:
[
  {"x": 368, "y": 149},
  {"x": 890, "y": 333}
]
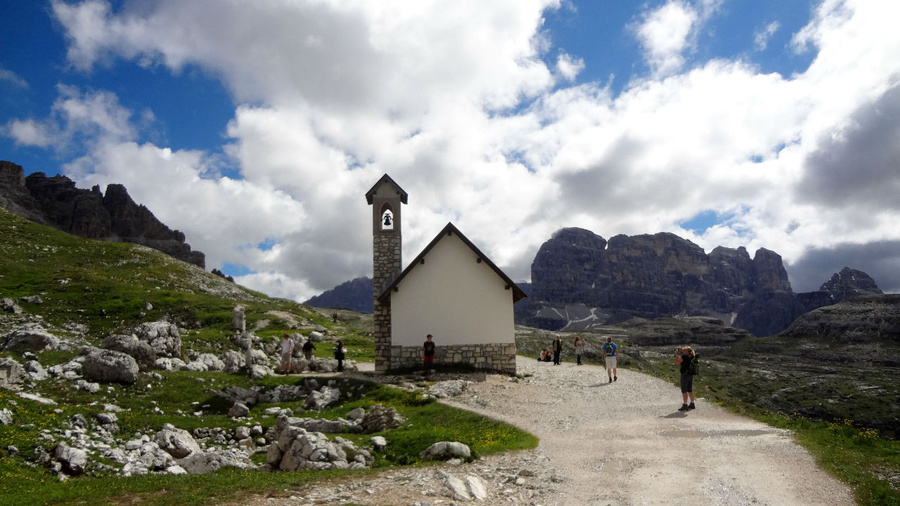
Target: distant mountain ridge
[
  {"x": 580, "y": 280},
  {"x": 114, "y": 216},
  {"x": 353, "y": 295}
]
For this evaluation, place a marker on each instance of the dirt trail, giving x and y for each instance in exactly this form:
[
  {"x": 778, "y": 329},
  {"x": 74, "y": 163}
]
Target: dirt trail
[
  {"x": 626, "y": 442},
  {"x": 621, "y": 443}
]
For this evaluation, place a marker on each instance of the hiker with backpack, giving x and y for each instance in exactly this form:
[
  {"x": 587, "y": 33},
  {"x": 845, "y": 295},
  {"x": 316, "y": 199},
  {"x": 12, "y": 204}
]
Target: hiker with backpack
[
  {"x": 610, "y": 353},
  {"x": 690, "y": 366}
]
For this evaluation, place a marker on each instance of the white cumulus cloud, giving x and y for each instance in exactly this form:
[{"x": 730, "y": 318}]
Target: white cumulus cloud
[{"x": 457, "y": 103}]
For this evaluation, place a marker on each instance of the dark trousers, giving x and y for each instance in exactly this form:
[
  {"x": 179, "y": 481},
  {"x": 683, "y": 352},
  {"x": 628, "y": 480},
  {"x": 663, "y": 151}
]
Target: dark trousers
[
  {"x": 579, "y": 359},
  {"x": 556, "y": 357}
]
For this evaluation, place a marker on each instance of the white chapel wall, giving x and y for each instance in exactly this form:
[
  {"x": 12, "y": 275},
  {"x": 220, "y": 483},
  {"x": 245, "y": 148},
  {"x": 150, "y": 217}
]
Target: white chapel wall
[{"x": 453, "y": 297}]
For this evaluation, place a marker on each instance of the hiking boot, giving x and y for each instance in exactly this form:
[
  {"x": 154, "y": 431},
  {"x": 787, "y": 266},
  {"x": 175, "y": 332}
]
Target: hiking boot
[
  {"x": 684, "y": 407},
  {"x": 691, "y": 406},
  {"x": 610, "y": 380},
  {"x": 615, "y": 378}
]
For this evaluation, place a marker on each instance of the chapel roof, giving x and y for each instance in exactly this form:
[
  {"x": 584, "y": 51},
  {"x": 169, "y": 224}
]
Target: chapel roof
[{"x": 450, "y": 229}]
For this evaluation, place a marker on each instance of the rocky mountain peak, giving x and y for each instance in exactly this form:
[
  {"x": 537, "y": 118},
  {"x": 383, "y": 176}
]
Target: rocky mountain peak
[
  {"x": 580, "y": 280},
  {"x": 850, "y": 283},
  {"x": 55, "y": 201}
]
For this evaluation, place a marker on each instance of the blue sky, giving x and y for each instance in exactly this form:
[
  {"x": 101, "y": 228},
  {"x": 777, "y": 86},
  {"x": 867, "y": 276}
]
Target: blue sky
[{"x": 256, "y": 128}]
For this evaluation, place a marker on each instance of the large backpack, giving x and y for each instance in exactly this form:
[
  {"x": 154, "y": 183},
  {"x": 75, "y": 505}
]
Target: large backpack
[{"x": 694, "y": 366}]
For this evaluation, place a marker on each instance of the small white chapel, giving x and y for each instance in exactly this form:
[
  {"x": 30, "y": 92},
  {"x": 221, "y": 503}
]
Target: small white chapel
[{"x": 450, "y": 290}]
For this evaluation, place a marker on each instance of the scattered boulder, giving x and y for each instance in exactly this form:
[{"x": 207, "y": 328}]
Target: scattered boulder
[
  {"x": 294, "y": 448},
  {"x": 239, "y": 395},
  {"x": 472, "y": 488},
  {"x": 108, "y": 421},
  {"x": 109, "y": 366},
  {"x": 163, "y": 336},
  {"x": 239, "y": 410},
  {"x": 36, "y": 371},
  {"x": 87, "y": 386},
  {"x": 71, "y": 370},
  {"x": 30, "y": 337},
  {"x": 141, "y": 351},
  {"x": 73, "y": 460},
  {"x": 323, "y": 398},
  {"x": 458, "y": 488},
  {"x": 211, "y": 362},
  {"x": 170, "y": 364},
  {"x": 326, "y": 426},
  {"x": 316, "y": 336},
  {"x": 242, "y": 432},
  {"x": 12, "y": 374},
  {"x": 379, "y": 419},
  {"x": 284, "y": 393},
  {"x": 6, "y": 417},
  {"x": 10, "y": 306},
  {"x": 357, "y": 414},
  {"x": 299, "y": 363},
  {"x": 257, "y": 357},
  {"x": 233, "y": 362},
  {"x": 78, "y": 421},
  {"x": 140, "y": 456},
  {"x": 37, "y": 398},
  {"x": 177, "y": 442},
  {"x": 379, "y": 443},
  {"x": 32, "y": 299},
  {"x": 446, "y": 450},
  {"x": 258, "y": 372},
  {"x": 207, "y": 462},
  {"x": 450, "y": 388},
  {"x": 238, "y": 320}
]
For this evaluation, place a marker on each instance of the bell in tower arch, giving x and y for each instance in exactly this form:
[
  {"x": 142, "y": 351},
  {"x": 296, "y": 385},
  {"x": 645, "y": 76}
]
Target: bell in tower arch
[{"x": 387, "y": 220}]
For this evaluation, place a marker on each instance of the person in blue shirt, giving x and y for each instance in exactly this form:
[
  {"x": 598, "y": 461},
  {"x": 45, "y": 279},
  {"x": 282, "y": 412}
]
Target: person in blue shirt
[{"x": 610, "y": 353}]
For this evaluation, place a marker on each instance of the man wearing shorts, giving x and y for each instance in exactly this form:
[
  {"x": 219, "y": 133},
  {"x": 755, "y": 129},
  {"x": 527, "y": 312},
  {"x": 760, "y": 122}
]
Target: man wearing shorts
[{"x": 610, "y": 353}]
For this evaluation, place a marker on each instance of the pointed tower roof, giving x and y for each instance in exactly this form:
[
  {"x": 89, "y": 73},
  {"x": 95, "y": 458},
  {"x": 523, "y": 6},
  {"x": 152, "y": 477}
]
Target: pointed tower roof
[{"x": 385, "y": 179}]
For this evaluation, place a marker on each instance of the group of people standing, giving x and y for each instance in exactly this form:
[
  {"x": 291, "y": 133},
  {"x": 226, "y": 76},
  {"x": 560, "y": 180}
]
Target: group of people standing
[
  {"x": 685, "y": 357},
  {"x": 609, "y": 352},
  {"x": 287, "y": 351}
]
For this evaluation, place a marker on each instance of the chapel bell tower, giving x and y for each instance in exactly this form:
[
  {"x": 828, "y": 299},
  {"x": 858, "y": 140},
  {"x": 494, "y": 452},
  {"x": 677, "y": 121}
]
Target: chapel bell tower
[{"x": 385, "y": 198}]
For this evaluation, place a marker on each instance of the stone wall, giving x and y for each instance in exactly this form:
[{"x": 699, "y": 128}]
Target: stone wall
[
  {"x": 500, "y": 357},
  {"x": 387, "y": 261}
]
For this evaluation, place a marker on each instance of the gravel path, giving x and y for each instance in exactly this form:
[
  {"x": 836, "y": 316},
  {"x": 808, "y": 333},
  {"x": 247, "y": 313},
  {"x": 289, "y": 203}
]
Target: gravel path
[{"x": 621, "y": 443}]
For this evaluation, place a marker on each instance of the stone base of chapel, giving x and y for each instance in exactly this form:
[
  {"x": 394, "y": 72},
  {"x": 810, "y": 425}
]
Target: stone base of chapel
[{"x": 498, "y": 357}]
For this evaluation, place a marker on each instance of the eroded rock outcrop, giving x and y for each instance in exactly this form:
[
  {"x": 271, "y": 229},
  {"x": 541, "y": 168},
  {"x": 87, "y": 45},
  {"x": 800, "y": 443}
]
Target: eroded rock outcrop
[
  {"x": 579, "y": 281},
  {"x": 294, "y": 448},
  {"x": 853, "y": 319},
  {"x": 55, "y": 201}
]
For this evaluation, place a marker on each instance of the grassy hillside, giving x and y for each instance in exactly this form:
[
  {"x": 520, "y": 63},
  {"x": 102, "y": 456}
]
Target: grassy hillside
[{"x": 89, "y": 289}]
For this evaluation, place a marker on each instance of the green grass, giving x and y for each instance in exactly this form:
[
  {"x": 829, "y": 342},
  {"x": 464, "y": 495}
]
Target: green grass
[
  {"x": 427, "y": 422},
  {"x": 110, "y": 288},
  {"x": 858, "y": 457}
]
